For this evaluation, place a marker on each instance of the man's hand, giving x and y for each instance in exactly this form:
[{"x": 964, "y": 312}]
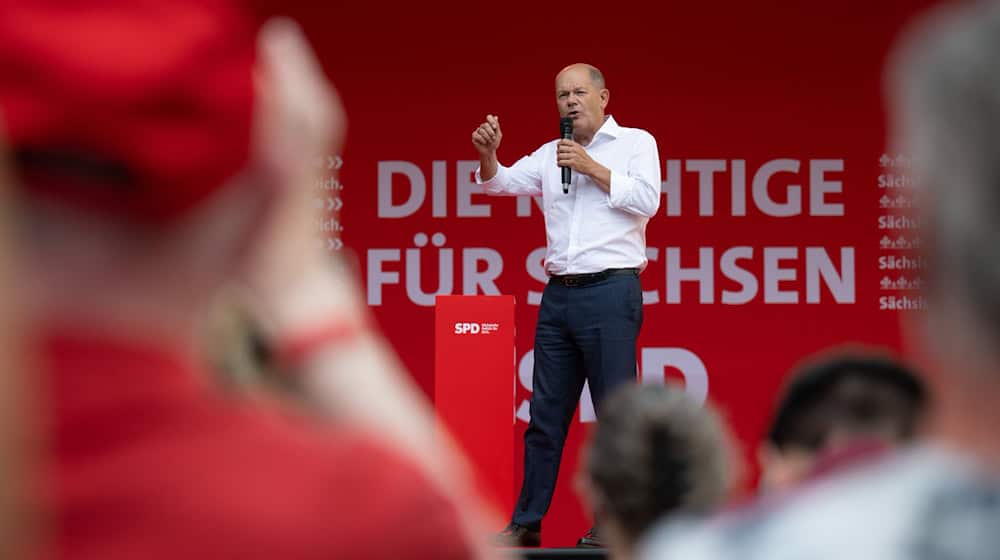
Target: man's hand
[
  {"x": 486, "y": 138},
  {"x": 572, "y": 155},
  {"x": 298, "y": 117}
]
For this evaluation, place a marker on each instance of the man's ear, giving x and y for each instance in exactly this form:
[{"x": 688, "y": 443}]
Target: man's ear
[
  {"x": 768, "y": 460},
  {"x": 765, "y": 452},
  {"x": 605, "y": 96}
]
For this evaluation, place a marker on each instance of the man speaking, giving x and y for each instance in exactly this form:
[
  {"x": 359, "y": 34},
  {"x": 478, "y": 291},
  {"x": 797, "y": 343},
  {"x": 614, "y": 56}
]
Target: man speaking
[{"x": 591, "y": 308}]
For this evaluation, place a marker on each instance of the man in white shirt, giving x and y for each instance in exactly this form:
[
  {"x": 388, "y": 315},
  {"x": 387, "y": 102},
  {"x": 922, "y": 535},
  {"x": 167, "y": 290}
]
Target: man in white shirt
[
  {"x": 941, "y": 500},
  {"x": 591, "y": 309}
]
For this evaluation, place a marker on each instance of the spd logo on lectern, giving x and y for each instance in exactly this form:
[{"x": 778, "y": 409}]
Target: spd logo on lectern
[
  {"x": 476, "y": 328},
  {"x": 468, "y": 328}
]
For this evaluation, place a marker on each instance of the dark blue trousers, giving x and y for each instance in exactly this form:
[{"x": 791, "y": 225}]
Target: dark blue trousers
[{"x": 585, "y": 332}]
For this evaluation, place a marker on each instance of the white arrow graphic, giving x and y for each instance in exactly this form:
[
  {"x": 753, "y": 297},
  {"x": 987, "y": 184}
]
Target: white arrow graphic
[
  {"x": 333, "y": 204},
  {"x": 334, "y": 244},
  {"x": 334, "y": 162}
]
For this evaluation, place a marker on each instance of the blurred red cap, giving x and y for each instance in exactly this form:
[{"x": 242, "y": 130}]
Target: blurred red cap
[{"x": 137, "y": 109}]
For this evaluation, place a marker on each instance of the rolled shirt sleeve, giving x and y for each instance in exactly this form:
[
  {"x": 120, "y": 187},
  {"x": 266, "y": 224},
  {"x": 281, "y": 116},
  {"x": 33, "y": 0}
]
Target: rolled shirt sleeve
[{"x": 636, "y": 190}]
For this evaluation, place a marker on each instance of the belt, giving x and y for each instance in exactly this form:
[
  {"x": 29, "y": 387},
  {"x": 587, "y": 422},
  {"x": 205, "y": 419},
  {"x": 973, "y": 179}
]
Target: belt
[{"x": 579, "y": 280}]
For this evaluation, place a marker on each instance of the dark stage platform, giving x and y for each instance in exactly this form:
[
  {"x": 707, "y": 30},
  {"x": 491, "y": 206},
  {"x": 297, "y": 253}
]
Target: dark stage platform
[{"x": 570, "y": 553}]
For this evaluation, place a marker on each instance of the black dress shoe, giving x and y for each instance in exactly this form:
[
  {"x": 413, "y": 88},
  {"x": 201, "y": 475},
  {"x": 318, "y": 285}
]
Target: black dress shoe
[
  {"x": 519, "y": 536},
  {"x": 590, "y": 540}
]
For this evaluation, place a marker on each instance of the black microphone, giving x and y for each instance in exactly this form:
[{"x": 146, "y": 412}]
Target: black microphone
[{"x": 566, "y": 131}]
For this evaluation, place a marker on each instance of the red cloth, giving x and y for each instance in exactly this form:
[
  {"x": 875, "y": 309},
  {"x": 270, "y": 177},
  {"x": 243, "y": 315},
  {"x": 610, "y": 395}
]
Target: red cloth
[
  {"x": 161, "y": 89},
  {"x": 852, "y": 455},
  {"x": 148, "y": 463}
]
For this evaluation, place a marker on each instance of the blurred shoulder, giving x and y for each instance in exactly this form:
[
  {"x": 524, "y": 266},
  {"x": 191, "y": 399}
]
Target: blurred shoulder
[{"x": 869, "y": 512}]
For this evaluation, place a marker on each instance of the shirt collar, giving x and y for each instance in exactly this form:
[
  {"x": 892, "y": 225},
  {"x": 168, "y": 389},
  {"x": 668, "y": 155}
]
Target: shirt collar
[
  {"x": 609, "y": 127},
  {"x": 609, "y": 131}
]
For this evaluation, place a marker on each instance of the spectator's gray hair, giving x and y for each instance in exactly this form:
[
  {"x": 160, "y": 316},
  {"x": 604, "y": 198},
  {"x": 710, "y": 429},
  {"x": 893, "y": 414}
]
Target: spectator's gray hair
[
  {"x": 656, "y": 452},
  {"x": 944, "y": 92}
]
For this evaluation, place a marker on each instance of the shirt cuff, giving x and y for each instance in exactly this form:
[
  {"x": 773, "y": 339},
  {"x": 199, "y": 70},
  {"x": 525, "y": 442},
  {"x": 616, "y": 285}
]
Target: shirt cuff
[
  {"x": 619, "y": 190},
  {"x": 495, "y": 180}
]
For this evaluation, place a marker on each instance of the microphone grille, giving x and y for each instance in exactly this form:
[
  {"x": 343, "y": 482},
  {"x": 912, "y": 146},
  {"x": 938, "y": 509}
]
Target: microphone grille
[{"x": 565, "y": 126}]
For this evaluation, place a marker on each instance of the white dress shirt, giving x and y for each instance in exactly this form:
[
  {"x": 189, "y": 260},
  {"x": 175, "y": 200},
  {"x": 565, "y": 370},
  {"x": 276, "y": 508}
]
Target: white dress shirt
[{"x": 589, "y": 230}]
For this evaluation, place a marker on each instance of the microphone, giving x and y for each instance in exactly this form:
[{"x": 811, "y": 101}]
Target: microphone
[{"x": 566, "y": 131}]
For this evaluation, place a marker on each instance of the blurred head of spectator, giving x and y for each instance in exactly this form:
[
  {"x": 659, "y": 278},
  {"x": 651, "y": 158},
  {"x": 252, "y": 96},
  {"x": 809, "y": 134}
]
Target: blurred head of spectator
[
  {"x": 945, "y": 100},
  {"x": 839, "y": 407},
  {"x": 145, "y": 183},
  {"x": 654, "y": 453}
]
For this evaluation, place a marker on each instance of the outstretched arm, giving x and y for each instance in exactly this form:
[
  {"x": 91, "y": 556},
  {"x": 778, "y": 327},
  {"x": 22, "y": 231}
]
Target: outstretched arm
[{"x": 523, "y": 178}]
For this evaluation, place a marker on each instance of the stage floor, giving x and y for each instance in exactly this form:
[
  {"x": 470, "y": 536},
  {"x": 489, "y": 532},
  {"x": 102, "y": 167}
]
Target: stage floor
[{"x": 568, "y": 553}]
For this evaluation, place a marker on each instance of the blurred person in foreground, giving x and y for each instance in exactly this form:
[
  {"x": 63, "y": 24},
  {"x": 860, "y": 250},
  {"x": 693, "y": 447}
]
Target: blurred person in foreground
[
  {"x": 161, "y": 152},
  {"x": 838, "y": 411},
  {"x": 655, "y": 453},
  {"x": 940, "y": 500}
]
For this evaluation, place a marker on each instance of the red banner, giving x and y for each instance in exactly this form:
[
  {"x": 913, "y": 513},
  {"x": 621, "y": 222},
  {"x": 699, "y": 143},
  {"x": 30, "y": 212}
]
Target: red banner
[{"x": 774, "y": 238}]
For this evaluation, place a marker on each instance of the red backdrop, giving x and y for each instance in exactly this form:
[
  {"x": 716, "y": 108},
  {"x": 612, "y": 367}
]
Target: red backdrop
[{"x": 723, "y": 87}]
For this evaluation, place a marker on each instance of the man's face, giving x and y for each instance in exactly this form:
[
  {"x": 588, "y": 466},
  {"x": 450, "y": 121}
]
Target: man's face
[{"x": 579, "y": 99}]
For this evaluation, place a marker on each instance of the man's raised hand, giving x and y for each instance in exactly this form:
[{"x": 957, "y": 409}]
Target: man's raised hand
[{"x": 486, "y": 138}]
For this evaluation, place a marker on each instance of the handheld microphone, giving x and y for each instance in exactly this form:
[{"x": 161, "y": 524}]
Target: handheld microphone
[{"x": 566, "y": 131}]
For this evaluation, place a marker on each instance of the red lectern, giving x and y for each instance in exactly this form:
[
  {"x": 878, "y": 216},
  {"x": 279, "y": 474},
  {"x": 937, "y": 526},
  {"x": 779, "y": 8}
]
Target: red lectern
[{"x": 474, "y": 385}]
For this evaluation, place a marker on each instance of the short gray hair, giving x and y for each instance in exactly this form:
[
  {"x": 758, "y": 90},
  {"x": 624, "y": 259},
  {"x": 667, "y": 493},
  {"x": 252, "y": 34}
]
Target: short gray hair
[
  {"x": 656, "y": 452},
  {"x": 596, "y": 77},
  {"x": 944, "y": 91}
]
